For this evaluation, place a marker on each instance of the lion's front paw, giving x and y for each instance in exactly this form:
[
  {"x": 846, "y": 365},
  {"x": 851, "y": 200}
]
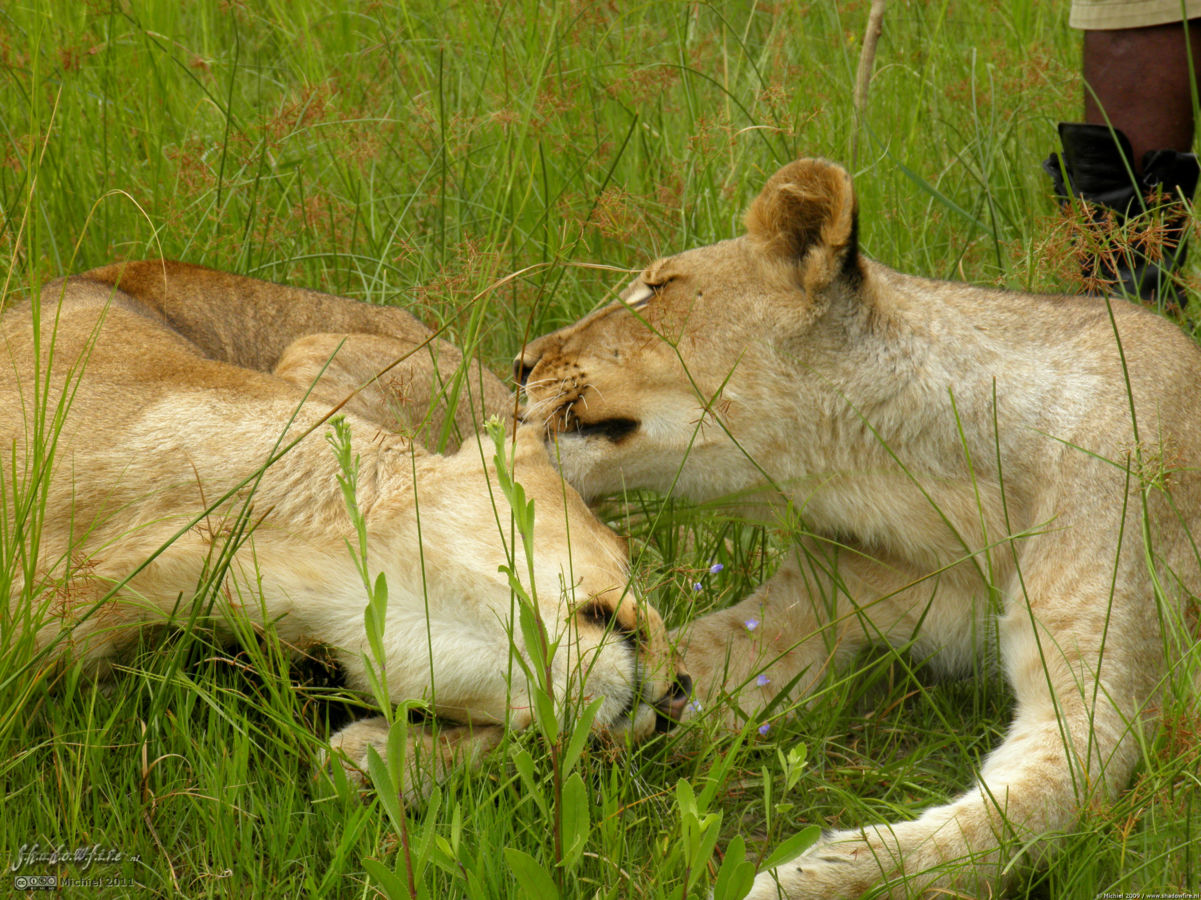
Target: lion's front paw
[
  {"x": 740, "y": 667},
  {"x": 348, "y": 747},
  {"x": 837, "y": 866},
  {"x": 903, "y": 861},
  {"x": 429, "y": 752}
]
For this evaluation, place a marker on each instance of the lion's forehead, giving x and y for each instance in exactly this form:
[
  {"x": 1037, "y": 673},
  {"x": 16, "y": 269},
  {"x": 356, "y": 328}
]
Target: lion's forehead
[{"x": 674, "y": 302}]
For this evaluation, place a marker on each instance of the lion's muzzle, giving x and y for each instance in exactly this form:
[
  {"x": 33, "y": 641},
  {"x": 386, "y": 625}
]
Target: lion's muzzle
[{"x": 669, "y": 709}]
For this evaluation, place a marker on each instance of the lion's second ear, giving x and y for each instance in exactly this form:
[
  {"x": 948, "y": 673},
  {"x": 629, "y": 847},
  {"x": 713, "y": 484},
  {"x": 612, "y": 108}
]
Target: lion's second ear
[{"x": 806, "y": 215}]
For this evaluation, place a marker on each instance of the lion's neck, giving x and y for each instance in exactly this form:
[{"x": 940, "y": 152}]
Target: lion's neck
[{"x": 906, "y": 431}]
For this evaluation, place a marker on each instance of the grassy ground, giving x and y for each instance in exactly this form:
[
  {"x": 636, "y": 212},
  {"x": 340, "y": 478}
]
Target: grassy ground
[{"x": 418, "y": 154}]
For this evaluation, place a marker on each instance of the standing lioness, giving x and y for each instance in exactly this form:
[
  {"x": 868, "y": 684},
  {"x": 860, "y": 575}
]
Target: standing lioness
[
  {"x": 976, "y": 469},
  {"x": 159, "y": 423}
]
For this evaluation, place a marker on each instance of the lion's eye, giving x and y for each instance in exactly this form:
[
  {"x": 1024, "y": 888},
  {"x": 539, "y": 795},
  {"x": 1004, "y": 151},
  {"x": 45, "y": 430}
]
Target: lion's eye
[
  {"x": 607, "y": 620},
  {"x": 646, "y": 292},
  {"x": 642, "y": 295}
]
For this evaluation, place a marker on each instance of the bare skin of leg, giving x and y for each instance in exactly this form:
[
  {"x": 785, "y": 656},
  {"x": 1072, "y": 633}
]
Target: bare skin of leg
[{"x": 1138, "y": 81}]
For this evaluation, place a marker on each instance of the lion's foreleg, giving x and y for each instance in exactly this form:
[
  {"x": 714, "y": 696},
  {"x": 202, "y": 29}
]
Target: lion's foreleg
[
  {"x": 1082, "y": 678},
  {"x": 823, "y": 604}
]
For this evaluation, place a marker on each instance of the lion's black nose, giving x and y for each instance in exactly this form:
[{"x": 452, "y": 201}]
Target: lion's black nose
[
  {"x": 669, "y": 709},
  {"x": 522, "y": 366}
]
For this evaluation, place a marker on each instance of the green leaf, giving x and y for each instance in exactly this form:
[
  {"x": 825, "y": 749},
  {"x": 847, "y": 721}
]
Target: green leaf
[
  {"x": 385, "y": 788},
  {"x": 710, "y": 829},
  {"x": 378, "y": 690},
  {"x": 524, "y": 764},
  {"x": 374, "y": 628},
  {"x": 535, "y": 882},
  {"x": 389, "y": 882},
  {"x": 685, "y": 799},
  {"x": 444, "y": 856},
  {"x": 456, "y": 828},
  {"x": 574, "y": 819},
  {"x": 544, "y": 708},
  {"x": 719, "y": 774},
  {"x": 737, "y": 873},
  {"x": 423, "y": 840},
  {"x": 792, "y": 764},
  {"x": 380, "y": 594},
  {"x": 533, "y": 633},
  {"x": 581, "y": 730},
  {"x": 397, "y": 748},
  {"x": 793, "y": 847}
]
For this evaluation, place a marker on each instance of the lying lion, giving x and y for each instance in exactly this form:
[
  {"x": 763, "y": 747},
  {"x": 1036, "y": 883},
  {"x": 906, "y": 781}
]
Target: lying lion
[
  {"x": 165, "y": 410},
  {"x": 978, "y": 471}
]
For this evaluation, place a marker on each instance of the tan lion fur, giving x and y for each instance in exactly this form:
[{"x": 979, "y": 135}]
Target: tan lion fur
[
  {"x": 981, "y": 474},
  {"x": 390, "y": 365},
  {"x": 150, "y": 416}
]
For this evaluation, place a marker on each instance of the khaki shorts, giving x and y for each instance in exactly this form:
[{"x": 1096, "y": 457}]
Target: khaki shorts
[{"x": 1102, "y": 15}]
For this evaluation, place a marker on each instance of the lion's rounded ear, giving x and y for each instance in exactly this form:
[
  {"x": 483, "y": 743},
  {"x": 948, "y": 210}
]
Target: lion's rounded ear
[{"x": 806, "y": 215}]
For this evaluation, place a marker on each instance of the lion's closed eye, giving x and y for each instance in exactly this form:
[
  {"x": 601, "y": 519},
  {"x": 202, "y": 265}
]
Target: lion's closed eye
[
  {"x": 647, "y": 288},
  {"x": 641, "y": 294},
  {"x": 607, "y": 619}
]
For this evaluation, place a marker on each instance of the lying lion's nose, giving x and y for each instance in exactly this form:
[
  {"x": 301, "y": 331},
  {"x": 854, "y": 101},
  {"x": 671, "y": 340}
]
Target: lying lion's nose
[
  {"x": 522, "y": 366},
  {"x": 669, "y": 709}
]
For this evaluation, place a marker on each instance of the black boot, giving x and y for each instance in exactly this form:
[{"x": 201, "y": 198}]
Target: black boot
[{"x": 1136, "y": 227}]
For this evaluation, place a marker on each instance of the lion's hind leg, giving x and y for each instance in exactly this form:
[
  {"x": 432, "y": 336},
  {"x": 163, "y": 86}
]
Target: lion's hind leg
[{"x": 430, "y": 752}]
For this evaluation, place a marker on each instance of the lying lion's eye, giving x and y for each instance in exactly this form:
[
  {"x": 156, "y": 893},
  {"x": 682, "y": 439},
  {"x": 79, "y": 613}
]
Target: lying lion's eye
[
  {"x": 606, "y": 619},
  {"x": 642, "y": 295}
]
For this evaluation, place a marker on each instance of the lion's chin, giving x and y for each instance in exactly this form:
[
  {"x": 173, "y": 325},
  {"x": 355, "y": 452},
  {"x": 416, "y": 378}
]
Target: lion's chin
[{"x": 586, "y": 463}]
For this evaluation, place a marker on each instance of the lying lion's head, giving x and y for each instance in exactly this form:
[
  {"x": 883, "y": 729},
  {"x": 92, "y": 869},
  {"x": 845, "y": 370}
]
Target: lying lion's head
[
  {"x": 680, "y": 383},
  {"x": 612, "y": 644},
  {"x": 595, "y": 639}
]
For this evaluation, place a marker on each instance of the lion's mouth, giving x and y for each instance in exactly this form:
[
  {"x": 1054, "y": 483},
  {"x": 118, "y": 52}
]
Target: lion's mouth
[
  {"x": 566, "y": 411},
  {"x": 668, "y": 709},
  {"x": 614, "y": 430}
]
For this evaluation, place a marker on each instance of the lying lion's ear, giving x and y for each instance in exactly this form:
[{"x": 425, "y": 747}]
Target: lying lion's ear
[{"x": 806, "y": 215}]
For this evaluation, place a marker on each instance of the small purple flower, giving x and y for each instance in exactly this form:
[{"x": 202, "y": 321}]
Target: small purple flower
[
  {"x": 694, "y": 705},
  {"x": 751, "y": 624},
  {"x": 715, "y": 568},
  {"x": 765, "y": 728},
  {"x": 763, "y": 681},
  {"x": 697, "y": 586}
]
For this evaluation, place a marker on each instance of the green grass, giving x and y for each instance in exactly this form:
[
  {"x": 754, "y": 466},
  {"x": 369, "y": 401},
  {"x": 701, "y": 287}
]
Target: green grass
[{"x": 484, "y": 164}]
